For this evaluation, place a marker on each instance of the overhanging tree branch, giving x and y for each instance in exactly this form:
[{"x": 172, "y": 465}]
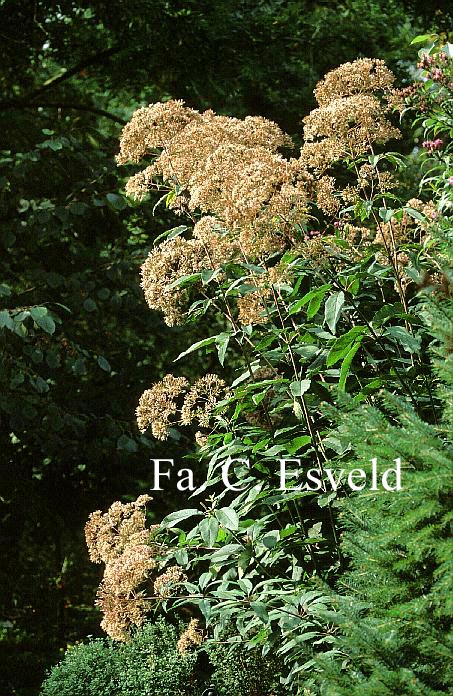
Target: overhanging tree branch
[
  {"x": 61, "y": 77},
  {"x": 62, "y": 105}
]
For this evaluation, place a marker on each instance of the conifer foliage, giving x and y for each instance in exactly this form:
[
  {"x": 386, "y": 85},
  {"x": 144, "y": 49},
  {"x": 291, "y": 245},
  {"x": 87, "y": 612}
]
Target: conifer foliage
[{"x": 395, "y": 608}]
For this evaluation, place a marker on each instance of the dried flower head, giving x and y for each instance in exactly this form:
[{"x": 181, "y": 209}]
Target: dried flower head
[
  {"x": 157, "y": 406},
  {"x": 108, "y": 535},
  {"x": 168, "y": 263},
  {"x": 166, "y": 584},
  {"x": 152, "y": 127},
  {"x": 120, "y": 613},
  {"x": 191, "y": 638},
  {"x": 202, "y": 399},
  {"x": 363, "y": 76},
  {"x": 121, "y": 540},
  {"x": 325, "y": 197}
]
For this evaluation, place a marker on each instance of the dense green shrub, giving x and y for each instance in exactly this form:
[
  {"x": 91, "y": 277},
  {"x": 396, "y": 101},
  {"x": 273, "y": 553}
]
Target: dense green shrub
[{"x": 151, "y": 665}]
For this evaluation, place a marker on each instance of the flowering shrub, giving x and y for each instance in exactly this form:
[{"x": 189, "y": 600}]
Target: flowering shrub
[{"x": 313, "y": 263}]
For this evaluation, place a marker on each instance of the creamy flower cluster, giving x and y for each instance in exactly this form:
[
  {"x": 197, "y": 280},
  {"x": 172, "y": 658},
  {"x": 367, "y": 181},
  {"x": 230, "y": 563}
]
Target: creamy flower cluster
[
  {"x": 173, "y": 401},
  {"x": 120, "y": 539}
]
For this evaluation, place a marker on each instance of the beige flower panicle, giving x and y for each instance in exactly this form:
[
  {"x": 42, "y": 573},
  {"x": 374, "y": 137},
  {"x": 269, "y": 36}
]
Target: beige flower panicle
[
  {"x": 177, "y": 258},
  {"x": 201, "y": 400},
  {"x": 120, "y": 539},
  {"x": 169, "y": 262},
  {"x": 152, "y": 127},
  {"x": 355, "y": 122},
  {"x": 165, "y": 585},
  {"x": 325, "y": 198},
  {"x": 118, "y": 595},
  {"x": 218, "y": 243},
  {"x": 365, "y": 75},
  {"x": 126, "y": 572},
  {"x": 221, "y": 166},
  {"x": 108, "y": 535},
  {"x": 252, "y": 309},
  {"x": 351, "y": 116},
  {"x": 158, "y": 407},
  {"x": 191, "y": 638},
  {"x": 120, "y": 613}
]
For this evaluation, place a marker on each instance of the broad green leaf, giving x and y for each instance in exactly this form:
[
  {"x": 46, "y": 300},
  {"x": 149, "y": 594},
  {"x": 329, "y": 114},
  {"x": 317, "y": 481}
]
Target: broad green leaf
[
  {"x": 343, "y": 344},
  {"x": 297, "y": 443},
  {"x": 228, "y": 518},
  {"x": 225, "y": 553},
  {"x": 103, "y": 364},
  {"x": 332, "y": 310},
  {"x": 386, "y": 214},
  {"x": 209, "y": 528},
  {"x": 196, "y": 346},
  {"x": 296, "y": 306},
  {"x": 117, "y": 202},
  {"x": 299, "y": 388},
  {"x": 346, "y": 364},
  {"x": 415, "y": 214},
  {"x": 423, "y": 38},
  {"x": 171, "y": 234},
  {"x": 222, "y": 341},
  {"x": 185, "y": 280},
  {"x": 44, "y": 321},
  {"x": 260, "y": 610},
  {"x": 411, "y": 343},
  {"x": 174, "y": 518},
  {"x": 6, "y": 320}
]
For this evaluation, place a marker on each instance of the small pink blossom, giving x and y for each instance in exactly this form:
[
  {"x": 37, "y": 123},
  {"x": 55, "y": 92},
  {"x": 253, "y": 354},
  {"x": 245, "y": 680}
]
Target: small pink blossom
[
  {"x": 432, "y": 145},
  {"x": 450, "y": 180}
]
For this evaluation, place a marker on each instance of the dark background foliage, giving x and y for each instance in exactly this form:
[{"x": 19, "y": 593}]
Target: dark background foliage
[{"x": 77, "y": 343}]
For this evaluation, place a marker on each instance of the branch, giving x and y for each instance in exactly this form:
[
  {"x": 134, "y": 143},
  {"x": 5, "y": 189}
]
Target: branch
[
  {"x": 22, "y": 104},
  {"x": 61, "y": 77}
]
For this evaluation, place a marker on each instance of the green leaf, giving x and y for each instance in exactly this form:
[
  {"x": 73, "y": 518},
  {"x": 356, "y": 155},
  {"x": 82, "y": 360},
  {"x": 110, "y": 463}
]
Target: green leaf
[
  {"x": 299, "y": 388},
  {"x": 103, "y": 363},
  {"x": 6, "y": 320},
  {"x": 297, "y": 443},
  {"x": 174, "y": 518},
  {"x": 415, "y": 214},
  {"x": 225, "y": 553},
  {"x": 196, "y": 346},
  {"x": 386, "y": 214},
  {"x": 117, "y": 202},
  {"x": 411, "y": 343},
  {"x": 228, "y": 518},
  {"x": 185, "y": 280},
  {"x": 90, "y": 305},
  {"x": 209, "y": 528},
  {"x": 41, "y": 316},
  {"x": 295, "y": 307},
  {"x": 260, "y": 610},
  {"x": 78, "y": 208},
  {"x": 126, "y": 443},
  {"x": 346, "y": 364},
  {"x": 332, "y": 310},
  {"x": 171, "y": 234},
  {"x": 222, "y": 341},
  {"x": 342, "y": 345},
  {"x": 423, "y": 38}
]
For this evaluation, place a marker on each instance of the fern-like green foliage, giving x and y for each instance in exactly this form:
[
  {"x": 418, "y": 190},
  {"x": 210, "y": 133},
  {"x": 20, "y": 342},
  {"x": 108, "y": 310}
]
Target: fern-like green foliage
[{"x": 395, "y": 602}]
